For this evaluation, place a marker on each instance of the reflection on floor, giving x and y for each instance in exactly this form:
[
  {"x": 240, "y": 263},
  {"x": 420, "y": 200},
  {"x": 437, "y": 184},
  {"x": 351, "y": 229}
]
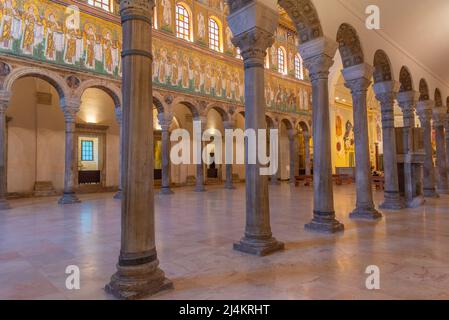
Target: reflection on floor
[{"x": 195, "y": 232}]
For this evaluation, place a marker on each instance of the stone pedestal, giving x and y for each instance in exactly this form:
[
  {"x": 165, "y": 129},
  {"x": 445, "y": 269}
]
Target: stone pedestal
[
  {"x": 70, "y": 108},
  {"x": 4, "y": 101},
  {"x": 439, "y": 117},
  {"x": 253, "y": 25},
  {"x": 358, "y": 79},
  {"x": 386, "y": 94},
  {"x": 165, "y": 121},
  {"x": 424, "y": 110},
  {"x": 318, "y": 58},
  {"x": 138, "y": 274}
]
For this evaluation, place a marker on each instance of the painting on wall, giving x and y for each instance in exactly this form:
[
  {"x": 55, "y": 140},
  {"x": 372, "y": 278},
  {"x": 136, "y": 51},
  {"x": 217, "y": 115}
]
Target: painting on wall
[{"x": 46, "y": 31}]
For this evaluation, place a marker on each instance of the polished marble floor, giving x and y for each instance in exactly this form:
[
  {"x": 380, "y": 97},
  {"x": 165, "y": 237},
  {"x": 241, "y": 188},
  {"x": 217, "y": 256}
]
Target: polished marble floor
[{"x": 195, "y": 233}]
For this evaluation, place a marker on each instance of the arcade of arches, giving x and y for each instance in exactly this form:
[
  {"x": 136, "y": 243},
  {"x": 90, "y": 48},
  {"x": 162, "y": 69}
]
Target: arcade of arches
[{"x": 86, "y": 115}]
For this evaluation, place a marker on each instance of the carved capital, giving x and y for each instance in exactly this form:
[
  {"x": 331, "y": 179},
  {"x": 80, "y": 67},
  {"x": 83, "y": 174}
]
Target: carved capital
[
  {"x": 318, "y": 56},
  {"x": 253, "y": 46},
  {"x": 407, "y": 100},
  {"x": 358, "y": 78},
  {"x": 70, "y": 107},
  {"x": 137, "y": 10},
  {"x": 230, "y": 124},
  {"x": 165, "y": 120},
  {"x": 292, "y": 133},
  {"x": 439, "y": 117},
  {"x": 5, "y": 97},
  {"x": 358, "y": 86}
]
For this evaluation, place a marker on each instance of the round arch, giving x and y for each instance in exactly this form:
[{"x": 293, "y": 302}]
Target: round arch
[
  {"x": 220, "y": 109},
  {"x": 305, "y": 18},
  {"x": 405, "y": 79},
  {"x": 192, "y": 105},
  {"x": 113, "y": 91},
  {"x": 349, "y": 46},
  {"x": 423, "y": 90},
  {"x": 438, "y": 99},
  {"x": 382, "y": 67},
  {"x": 49, "y": 76}
]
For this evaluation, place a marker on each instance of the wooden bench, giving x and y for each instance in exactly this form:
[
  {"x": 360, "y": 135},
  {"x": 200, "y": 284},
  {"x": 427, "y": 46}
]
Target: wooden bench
[{"x": 379, "y": 182}]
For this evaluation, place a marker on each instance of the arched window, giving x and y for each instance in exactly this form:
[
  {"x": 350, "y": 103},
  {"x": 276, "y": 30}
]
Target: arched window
[
  {"x": 103, "y": 4},
  {"x": 214, "y": 35},
  {"x": 183, "y": 29},
  {"x": 281, "y": 61},
  {"x": 298, "y": 68}
]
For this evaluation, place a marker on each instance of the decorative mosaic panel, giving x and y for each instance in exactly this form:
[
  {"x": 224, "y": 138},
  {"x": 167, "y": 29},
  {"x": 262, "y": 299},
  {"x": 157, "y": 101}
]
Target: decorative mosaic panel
[{"x": 49, "y": 32}]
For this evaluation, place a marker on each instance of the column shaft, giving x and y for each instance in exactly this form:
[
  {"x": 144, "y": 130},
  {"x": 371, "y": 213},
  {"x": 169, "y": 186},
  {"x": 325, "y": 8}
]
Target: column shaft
[
  {"x": 165, "y": 120},
  {"x": 424, "y": 109},
  {"x": 69, "y": 195},
  {"x": 3, "y": 157},
  {"x": 253, "y": 42},
  {"x": 385, "y": 94},
  {"x": 137, "y": 273},
  {"x": 118, "y": 194},
  {"x": 358, "y": 80},
  {"x": 439, "y": 115},
  {"x": 307, "y": 154},
  {"x": 293, "y": 145}
]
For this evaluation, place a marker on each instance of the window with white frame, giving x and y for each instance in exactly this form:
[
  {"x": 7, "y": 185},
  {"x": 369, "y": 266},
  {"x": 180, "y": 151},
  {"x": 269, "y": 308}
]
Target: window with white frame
[
  {"x": 183, "y": 22},
  {"x": 214, "y": 35},
  {"x": 298, "y": 68},
  {"x": 103, "y": 4},
  {"x": 281, "y": 61}
]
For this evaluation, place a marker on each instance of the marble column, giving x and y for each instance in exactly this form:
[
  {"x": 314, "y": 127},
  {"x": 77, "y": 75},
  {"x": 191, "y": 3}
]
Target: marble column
[
  {"x": 165, "y": 121},
  {"x": 276, "y": 177},
  {"x": 199, "y": 182},
  {"x": 439, "y": 117},
  {"x": 307, "y": 153},
  {"x": 70, "y": 109},
  {"x": 230, "y": 125},
  {"x": 253, "y": 25},
  {"x": 118, "y": 116},
  {"x": 137, "y": 273},
  {"x": 386, "y": 94},
  {"x": 293, "y": 146},
  {"x": 4, "y": 101},
  {"x": 424, "y": 110},
  {"x": 358, "y": 79},
  {"x": 318, "y": 57}
]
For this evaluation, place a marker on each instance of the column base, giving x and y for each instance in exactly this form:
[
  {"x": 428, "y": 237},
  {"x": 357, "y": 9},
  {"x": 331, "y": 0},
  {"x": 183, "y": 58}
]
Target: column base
[
  {"x": 165, "y": 191},
  {"x": 415, "y": 202},
  {"x": 118, "y": 195},
  {"x": 135, "y": 282},
  {"x": 442, "y": 191},
  {"x": 430, "y": 193},
  {"x": 392, "y": 202},
  {"x": 4, "y": 204},
  {"x": 324, "y": 223},
  {"x": 258, "y": 247},
  {"x": 229, "y": 186},
  {"x": 200, "y": 188},
  {"x": 69, "y": 198},
  {"x": 365, "y": 213}
]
